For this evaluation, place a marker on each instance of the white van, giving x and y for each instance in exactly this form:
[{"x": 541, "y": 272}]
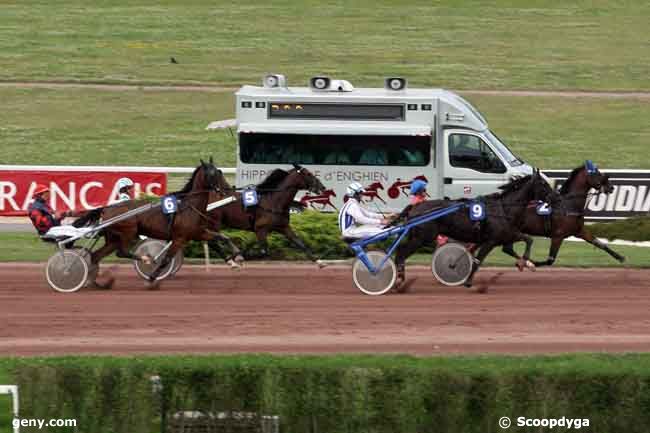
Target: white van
[{"x": 382, "y": 137}]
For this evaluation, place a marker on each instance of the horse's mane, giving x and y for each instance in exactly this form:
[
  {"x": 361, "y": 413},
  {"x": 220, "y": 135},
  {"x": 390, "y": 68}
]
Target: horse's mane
[
  {"x": 272, "y": 180},
  {"x": 188, "y": 186},
  {"x": 567, "y": 183},
  {"x": 514, "y": 184}
]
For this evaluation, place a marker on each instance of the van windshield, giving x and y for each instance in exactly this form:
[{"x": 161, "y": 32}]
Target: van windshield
[
  {"x": 390, "y": 150},
  {"x": 503, "y": 149}
]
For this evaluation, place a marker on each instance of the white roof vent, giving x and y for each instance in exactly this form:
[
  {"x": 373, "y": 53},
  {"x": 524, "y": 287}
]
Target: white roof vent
[
  {"x": 395, "y": 83},
  {"x": 274, "y": 80},
  {"x": 326, "y": 84}
]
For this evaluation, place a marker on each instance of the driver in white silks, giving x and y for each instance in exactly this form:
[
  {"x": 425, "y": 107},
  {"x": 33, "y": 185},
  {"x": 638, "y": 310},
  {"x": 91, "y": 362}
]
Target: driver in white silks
[
  {"x": 125, "y": 189},
  {"x": 355, "y": 221}
]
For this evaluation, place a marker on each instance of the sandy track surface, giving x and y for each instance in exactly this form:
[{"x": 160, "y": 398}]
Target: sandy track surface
[{"x": 299, "y": 309}]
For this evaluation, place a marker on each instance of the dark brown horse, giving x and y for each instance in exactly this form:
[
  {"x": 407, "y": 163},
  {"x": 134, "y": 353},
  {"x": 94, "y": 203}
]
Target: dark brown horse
[
  {"x": 276, "y": 196},
  {"x": 189, "y": 222},
  {"x": 502, "y": 225},
  {"x": 567, "y": 216}
]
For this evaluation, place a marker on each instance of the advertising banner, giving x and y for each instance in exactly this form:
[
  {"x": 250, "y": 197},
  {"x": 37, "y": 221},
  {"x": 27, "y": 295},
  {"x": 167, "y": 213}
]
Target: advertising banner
[{"x": 79, "y": 190}]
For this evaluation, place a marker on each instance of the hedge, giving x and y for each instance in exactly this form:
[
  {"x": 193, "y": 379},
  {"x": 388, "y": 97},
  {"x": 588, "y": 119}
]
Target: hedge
[
  {"x": 320, "y": 231},
  {"x": 342, "y": 393},
  {"x": 631, "y": 229}
]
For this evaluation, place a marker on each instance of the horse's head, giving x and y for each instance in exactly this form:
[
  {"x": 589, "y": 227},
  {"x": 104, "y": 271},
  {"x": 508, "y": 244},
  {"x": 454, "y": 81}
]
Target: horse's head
[
  {"x": 309, "y": 182},
  {"x": 597, "y": 180},
  {"x": 212, "y": 177}
]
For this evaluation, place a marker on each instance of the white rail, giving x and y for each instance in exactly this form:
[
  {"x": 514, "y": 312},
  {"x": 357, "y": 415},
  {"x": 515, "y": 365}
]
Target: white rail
[{"x": 107, "y": 168}]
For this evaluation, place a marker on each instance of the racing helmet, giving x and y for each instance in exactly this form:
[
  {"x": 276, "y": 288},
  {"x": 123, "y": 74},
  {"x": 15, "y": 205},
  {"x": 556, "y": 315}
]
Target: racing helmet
[
  {"x": 40, "y": 189},
  {"x": 418, "y": 186},
  {"x": 124, "y": 182},
  {"x": 354, "y": 188}
]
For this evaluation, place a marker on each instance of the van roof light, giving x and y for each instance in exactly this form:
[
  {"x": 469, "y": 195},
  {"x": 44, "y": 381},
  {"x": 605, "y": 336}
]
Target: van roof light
[
  {"x": 395, "y": 83},
  {"x": 274, "y": 80}
]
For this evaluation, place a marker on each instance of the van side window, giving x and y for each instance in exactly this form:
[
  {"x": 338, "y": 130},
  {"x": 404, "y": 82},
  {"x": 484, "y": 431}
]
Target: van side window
[
  {"x": 469, "y": 151},
  {"x": 370, "y": 150}
]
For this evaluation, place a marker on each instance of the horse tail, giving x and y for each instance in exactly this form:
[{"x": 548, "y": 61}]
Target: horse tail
[{"x": 89, "y": 218}]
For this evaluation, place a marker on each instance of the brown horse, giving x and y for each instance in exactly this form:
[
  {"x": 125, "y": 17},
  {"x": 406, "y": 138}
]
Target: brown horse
[
  {"x": 189, "y": 222},
  {"x": 567, "y": 216},
  {"x": 271, "y": 214}
]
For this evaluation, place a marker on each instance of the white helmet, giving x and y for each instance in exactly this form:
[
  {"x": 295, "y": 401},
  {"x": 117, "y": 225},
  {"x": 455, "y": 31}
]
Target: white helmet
[
  {"x": 123, "y": 183},
  {"x": 355, "y": 188}
]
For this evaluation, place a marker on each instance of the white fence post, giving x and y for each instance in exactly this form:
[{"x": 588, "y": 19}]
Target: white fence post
[{"x": 13, "y": 391}]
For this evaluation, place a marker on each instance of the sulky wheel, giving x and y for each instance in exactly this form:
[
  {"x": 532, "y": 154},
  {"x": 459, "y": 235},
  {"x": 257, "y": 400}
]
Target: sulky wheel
[
  {"x": 67, "y": 271},
  {"x": 178, "y": 262},
  {"x": 151, "y": 248},
  {"x": 92, "y": 269},
  {"x": 380, "y": 282},
  {"x": 451, "y": 264}
]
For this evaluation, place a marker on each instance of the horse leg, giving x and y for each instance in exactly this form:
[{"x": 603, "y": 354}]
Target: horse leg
[
  {"x": 587, "y": 236},
  {"x": 556, "y": 243},
  {"x": 294, "y": 239},
  {"x": 96, "y": 257},
  {"x": 483, "y": 252},
  {"x": 215, "y": 238},
  {"x": 261, "y": 235},
  {"x": 404, "y": 251}
]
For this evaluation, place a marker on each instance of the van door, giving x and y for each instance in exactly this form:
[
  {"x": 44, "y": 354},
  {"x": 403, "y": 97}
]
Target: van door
[{"x": 471, "y": 166}]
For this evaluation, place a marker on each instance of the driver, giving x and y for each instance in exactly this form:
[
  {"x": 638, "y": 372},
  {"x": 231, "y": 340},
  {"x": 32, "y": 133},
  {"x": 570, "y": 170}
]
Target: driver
[
  {"x": 355, "y": 221},
  {"x": 42, "y": 215},
  {"x": 125, "y": 189}
]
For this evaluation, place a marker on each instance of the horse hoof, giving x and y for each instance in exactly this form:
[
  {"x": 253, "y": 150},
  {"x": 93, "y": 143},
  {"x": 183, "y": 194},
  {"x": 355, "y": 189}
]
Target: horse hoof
[
  {"x": 153, "y": 285},
  {"x": 146, "y": 259},
  {"x": 530, "y": 265},
  {"x": 234, "y": 264},
  {"x": 321, "y": 264},
  {"x": 520, "y": 265},
  {"x": 404, "y": 286},
  {"x": 239, "y": 258}
]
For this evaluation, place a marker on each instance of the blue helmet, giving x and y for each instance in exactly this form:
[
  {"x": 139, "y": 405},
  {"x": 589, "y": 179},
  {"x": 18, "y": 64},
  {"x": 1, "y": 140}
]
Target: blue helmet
[{"x": 418, "y": 186}]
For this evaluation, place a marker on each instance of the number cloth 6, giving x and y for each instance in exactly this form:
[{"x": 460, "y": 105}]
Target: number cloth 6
[{"x": 169, "y": 204}]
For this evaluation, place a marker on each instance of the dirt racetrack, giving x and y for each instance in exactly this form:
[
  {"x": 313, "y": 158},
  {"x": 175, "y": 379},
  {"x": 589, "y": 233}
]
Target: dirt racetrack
[{"x": 297, "y": 308}]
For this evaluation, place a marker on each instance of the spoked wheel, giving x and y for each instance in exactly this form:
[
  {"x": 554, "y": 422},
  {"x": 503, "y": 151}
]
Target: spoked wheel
[
  {"x": 178, "y": 263},
  {"x": 92, "y": 269},
  {"x": 67, "y": 271},
  {"x": 151, "y": 248},
  {"x": 451, "y": 264},
  {"x": 381, "y": 281}
]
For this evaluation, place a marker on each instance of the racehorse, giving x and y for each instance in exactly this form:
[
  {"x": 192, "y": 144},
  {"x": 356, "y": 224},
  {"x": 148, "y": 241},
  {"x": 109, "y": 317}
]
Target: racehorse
[
  {"x": 567, "y": 217},
  {"x": 504, "y": 214},
  {"x": 189, "y": 222},
  {"x": 271, "y": 214}
]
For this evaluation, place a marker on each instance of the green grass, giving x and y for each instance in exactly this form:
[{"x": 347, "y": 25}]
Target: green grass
[
  {"x": 572, "y": 254},
  {"x": 84, "y": 126},
  {"x": 26, "y": 247},
  {"x": 546, "y": 44}
]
